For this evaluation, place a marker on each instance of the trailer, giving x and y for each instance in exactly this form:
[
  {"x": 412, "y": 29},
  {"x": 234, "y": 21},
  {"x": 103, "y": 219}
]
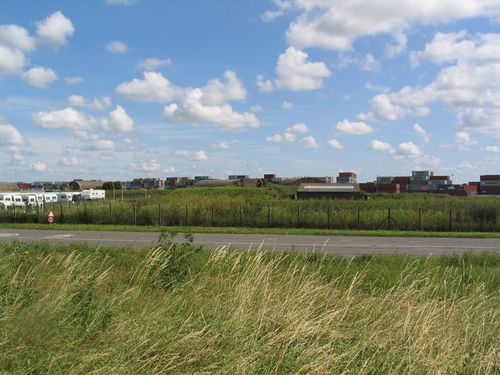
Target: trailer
[{"x": 93, "y": 194}]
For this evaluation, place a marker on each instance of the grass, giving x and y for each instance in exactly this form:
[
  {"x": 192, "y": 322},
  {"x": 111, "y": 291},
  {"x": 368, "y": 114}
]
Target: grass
[
  {"x": 178, "y": 309},
  {"x": 243, "y": 230}
]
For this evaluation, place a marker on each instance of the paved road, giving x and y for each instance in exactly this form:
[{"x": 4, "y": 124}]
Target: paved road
[{"x": 340, "y": 245}]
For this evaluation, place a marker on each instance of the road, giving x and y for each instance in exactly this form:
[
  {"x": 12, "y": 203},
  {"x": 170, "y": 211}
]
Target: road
[{"x": 339, "y": 245}]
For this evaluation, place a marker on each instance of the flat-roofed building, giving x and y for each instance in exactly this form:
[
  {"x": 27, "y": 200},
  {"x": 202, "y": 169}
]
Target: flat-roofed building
[{"x": 328, "y": 191}]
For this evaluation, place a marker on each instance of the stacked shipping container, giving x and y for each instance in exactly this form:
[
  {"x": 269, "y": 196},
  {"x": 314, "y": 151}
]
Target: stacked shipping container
[{"x": 490, "y": 184}]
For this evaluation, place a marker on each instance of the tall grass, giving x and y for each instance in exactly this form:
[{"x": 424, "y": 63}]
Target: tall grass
[{"x": 184, "y": 310}]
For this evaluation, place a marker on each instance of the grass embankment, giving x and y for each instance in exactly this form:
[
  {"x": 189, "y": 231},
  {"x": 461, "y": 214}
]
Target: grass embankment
[
  {"x": 183, "y": 310},
  {"x": 239, "y": 230}
]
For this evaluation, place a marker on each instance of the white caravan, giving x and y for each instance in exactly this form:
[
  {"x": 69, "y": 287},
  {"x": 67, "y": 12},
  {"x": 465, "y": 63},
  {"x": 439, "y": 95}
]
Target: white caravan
[
  {"x": 65, "y": 197},
  {"x": 29, "y": 200},
  {"x": 91, "y": 194},
  {"x": 50, "y": 197},
  {"x": 6, "y": 201},
  {"x": 17, "y": 199}
]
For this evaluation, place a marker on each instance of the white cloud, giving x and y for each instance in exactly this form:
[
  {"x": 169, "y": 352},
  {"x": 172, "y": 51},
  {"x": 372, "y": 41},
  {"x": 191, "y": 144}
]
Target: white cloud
[
  {"x": 264, "y": 85},
  {"x": 399, "y": 46},
  {"x": 467, "y": 87},
  {"x": 97, "y": 104},
  {"x": 298, "y": 128},
  {"x": 336, "y": 24},
  {"x": 55, "y": 29},
  {"x": 286, "y": 105},
  {"x": 74, "y": 80},
  {"x": 309, "y": 142},
  {"x": 39, "y": 77},
  {"x": 276, "y": 138},
  {"x": 67, "y": 118},
  {"x": 71, "y": 162},
  {"x": 464, "y": 140},
  {"x": 9, "y": 135},
  {"x": 150, "y": 166},
  {"x": 221, "y": 146},
  {"x": 12, "y": 61},
  {"x": 193, "y": 111},
  {"x": 283, "y": 7},
  {"x": 39, "y": 166},
  {"x": 117, "y": 47},
  {"x": 16, "y": 37},
  {"x": 217, "y": 92},
  {"x": 336, "y": 145},
  {"x": 421, "y": 132},
  {"x": 197, "y": 156},
  {"x": 200, "y": 156},
  {"x": 295, "y": 72},
  {"x": 407, "y": 151},
  {"x": 377, "y": 145},
  {"x": 370, "y": 64},
  {"x": 119, "y": 121},
  {"x": 153, "y": 88},
  {"x": 353, "y": 128},
  {"x": 100, "y": 145},
  {"x": 153, "y": 63},
  {"x": 493, "y": 149}
]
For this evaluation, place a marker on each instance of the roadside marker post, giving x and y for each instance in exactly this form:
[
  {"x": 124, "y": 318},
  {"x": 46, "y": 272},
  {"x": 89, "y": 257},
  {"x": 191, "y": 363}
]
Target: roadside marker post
[{"x": 50, "y": 218}]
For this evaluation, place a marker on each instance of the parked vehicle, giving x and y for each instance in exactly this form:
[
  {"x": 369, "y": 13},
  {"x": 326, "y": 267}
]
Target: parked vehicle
[
  {"x": 29, "y": 200},
  {"x": 17, "y": 199},
  {"x": 50, "y": 197},
  {"x": 65, "y": 197},
  {"x": 91, "y": 194},
  {"x": 6, "y": 201}
]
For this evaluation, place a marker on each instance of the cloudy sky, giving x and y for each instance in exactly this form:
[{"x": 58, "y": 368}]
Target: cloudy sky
[{"x": 116, "y": 89}]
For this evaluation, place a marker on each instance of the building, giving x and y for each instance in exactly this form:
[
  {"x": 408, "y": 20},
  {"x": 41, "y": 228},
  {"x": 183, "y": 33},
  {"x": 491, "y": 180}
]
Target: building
[
  {"x": 490, "y": 184},
  {"x": 347, "y": 178},
  {"x": 237, "y": 176},
  {"x": 306, "y": 180},
  {"x": 270, "y": 177},
  {"x": 328, "y": 191},
  {"x": 79, "y": 184},
  {"x": 8, "y": 186}
]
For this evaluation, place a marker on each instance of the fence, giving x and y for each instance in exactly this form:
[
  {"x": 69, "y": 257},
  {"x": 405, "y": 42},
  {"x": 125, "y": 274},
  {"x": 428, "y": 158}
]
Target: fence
[{"x": 293, "y": 214}]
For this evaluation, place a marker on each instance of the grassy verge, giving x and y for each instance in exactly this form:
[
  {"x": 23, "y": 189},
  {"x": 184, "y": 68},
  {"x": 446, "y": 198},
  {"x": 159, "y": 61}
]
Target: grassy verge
[
  {"x": 183, "y": 310},
  {"x": 245, "y": 230}
]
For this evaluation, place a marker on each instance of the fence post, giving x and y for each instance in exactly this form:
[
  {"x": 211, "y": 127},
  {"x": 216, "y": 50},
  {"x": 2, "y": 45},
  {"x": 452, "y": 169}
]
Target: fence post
[
  {"x": 329, "y": 217},
  {"x": 110, "y": 215},
  {"x": 269, "y": 209},
  {"x": 389, "y": 219},
  {"x": 61, "y": 215},
  {"x": 187, "y": 215},
  {"x": 449, "y": 224},
  {"x": 212, "y": 215},
  {"x": 85, "y": 211},
  {"x": 358, "y": 219},
  {"x": 37, "y": 213},
  {"x": 135, "y": 214},
  {"x": 241, "y": 215},
  {"x": 419, "y": 219},
  {"x": 159, "y": 215},
  {"x": 298, "y": 216}
]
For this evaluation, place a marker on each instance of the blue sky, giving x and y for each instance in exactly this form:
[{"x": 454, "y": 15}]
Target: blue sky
[{"x": 116, "y": 89}]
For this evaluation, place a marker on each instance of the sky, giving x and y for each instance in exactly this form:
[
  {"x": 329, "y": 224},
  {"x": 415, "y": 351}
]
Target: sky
[{"x": 118, "y": 89}]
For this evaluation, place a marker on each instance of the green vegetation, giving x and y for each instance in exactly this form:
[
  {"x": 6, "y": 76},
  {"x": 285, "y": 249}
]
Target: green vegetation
[
  {"x": 183, "y": 310},
  {"x": 273, "y": 207}
]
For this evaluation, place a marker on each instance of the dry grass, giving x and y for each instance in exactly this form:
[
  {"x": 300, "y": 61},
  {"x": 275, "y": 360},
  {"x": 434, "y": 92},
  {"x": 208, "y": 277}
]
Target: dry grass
[{"x": 186, "y": 311}]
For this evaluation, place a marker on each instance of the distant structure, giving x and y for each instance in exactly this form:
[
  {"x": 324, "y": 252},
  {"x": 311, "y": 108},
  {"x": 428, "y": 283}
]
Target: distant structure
[
  {"x": 79, "y": 184},
  {"x": 328, "y": 191},
  {"x": 490, "y": 184},
  {"x": 347, "y": 178}
]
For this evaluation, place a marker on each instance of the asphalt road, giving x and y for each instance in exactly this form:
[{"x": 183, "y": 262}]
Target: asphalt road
[{"x": 340, "y": 245}]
